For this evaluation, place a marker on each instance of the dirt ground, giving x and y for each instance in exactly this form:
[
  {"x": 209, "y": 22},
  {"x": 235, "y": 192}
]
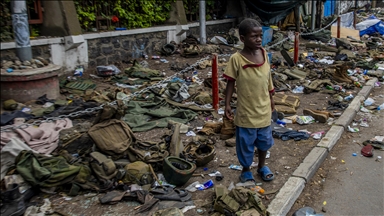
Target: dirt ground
[{"x": 284, "y": 158}]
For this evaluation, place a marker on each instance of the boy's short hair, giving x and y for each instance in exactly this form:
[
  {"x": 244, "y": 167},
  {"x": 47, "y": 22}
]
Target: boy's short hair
[{"x": 246, "y": 25}]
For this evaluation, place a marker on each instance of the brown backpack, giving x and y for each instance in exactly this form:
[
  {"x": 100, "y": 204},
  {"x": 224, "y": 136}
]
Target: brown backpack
[{"x": 113, "y": 137}]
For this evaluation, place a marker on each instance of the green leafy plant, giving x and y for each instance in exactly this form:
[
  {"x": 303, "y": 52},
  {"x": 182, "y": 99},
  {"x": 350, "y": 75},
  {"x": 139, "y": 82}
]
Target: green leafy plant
[
  {"x": 191, "y": 8},
  {"x": 130, "y": 13},
  {"x": 5, "y": 18}
]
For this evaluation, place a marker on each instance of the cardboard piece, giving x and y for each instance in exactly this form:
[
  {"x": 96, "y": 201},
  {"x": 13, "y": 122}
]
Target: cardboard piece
[{"x": 344, "y": 32}]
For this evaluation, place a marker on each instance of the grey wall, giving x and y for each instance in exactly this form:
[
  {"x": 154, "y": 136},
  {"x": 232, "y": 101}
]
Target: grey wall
[{"x": 37, "y": 51}]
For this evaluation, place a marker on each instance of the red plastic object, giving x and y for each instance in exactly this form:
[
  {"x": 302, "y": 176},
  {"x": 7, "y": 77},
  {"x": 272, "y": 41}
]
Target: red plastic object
[
  {"x": 296, "y": 52},
  {"x": 215, "y": 83}
]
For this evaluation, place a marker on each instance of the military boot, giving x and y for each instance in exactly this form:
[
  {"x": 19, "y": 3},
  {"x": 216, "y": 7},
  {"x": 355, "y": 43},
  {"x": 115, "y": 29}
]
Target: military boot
[
  {"x": 211, "y": 128},
  {"x": 228, "y": 129},
  {"x": 12, "y": 202},
  {"x": 340, "y": 75},
  {"x": 320, "y": 117},
  {"x": 328, "y": 114}
]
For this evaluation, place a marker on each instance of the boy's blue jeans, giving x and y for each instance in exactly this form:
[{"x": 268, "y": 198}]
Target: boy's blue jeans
[{"x": 249, "y": 138}]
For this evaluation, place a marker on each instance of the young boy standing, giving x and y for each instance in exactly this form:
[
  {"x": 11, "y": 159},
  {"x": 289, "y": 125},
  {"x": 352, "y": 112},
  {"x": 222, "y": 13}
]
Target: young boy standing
[{"x": 250, "y": 69}]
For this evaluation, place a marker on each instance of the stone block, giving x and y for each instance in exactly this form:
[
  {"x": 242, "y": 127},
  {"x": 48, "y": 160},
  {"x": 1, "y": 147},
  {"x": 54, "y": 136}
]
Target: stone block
[
  {"x": 106, "y": 50},
  {"x": 73, "y": 41},
  {"x": 365, "y": 91},
  {"x": 331, "y": 137},
  {"x": 311, "y": 163},
  {"x": 356, "y": 103},
  {"x": 286, "y": 197},
  {"x": 371, "y": 82},
  {"x": 346, "y": 118}
]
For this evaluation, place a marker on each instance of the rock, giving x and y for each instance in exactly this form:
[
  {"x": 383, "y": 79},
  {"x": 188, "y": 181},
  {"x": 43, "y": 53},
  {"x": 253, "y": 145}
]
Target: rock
[
  {"x": 26, "y": 63},
  {"x": 323, "y": 209},
  {"x": 22, "y": 67},
  {"x": 7, "y": 64},
  {"x": 45, "y": 62},
  {"x": 17, "y": 62},
  {"x": 39, "y": 63},
  {"x": 34, "y": 66},
  {"x": 16, "y": 67}
]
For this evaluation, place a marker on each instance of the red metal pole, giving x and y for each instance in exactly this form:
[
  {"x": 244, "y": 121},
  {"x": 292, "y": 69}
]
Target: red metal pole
[
  {"x": 296, "y": 51},
  {"x": 338, "y": 27},
  {"x": 215, "y": 83}
]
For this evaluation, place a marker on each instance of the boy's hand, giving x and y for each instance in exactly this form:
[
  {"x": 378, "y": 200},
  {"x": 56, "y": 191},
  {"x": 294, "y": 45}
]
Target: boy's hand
[
  {"x": 272, "y": 101},
  {"x": 228, "y": 112}
]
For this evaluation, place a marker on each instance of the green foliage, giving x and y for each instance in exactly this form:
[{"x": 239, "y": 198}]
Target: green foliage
[
  {"x": 131, "y": 13},
  {"x": 5, "y": 18},
  {"x": 192, "y": 7}
]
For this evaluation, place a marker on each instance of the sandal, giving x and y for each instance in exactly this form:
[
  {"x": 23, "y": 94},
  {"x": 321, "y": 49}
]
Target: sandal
[
  {"x": 264, "y": 172},
  {"x": 246, "y": 176}
]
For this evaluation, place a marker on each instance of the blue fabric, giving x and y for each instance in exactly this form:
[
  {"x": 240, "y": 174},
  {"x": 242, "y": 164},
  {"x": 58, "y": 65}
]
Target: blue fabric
[
  {"x": 264, "y": 172},
  {"x": 249, "y": 138},
  {"x": 246, "y": 176}
]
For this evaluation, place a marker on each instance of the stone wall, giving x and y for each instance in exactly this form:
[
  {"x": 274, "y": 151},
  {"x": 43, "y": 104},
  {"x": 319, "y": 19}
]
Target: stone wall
[
  {"x": 37, "y": 51},
  {"x": 212, "y": 30},
  {"x": 108, "y": 50},
  {"x": 104, "y": 51}
]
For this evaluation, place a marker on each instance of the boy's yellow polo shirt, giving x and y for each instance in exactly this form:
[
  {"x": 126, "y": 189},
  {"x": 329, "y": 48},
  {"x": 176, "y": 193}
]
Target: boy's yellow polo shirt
[{"x": 253, "y": 86}]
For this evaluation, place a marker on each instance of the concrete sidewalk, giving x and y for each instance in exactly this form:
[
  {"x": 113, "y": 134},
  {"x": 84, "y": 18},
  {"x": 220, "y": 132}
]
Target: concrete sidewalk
[{"x": 292, "y": 189}]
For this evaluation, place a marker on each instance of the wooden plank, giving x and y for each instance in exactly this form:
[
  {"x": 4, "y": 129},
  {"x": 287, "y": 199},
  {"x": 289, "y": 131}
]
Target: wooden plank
[{"x": 344, "y": 32}]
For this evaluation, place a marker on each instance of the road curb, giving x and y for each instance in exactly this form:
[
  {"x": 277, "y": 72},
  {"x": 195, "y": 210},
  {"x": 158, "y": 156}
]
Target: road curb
[
  {"x": 311, "y": 163},
  {"x": 292, "y": 189},
  {"x": 331, "y": 137},
  {"x": 286, "y": 196}
]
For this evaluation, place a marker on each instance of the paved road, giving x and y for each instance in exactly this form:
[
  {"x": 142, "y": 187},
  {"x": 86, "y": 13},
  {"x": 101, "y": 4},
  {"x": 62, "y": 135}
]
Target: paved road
[{"x": 354, "y": 186}]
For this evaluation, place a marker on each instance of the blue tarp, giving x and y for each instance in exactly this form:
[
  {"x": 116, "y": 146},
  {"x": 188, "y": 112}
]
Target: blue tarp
[
  {"x": 370, "y": 26},
  {"x": 329, "y": 8}
]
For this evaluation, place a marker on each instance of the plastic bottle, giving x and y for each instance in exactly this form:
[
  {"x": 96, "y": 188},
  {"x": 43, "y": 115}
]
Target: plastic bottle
[
  {"x": 280, "y": 122},
  {"x": 337, "y": 87},
  {"x": 381, "y": 107},
  {"x": 258, "y": 189},
  {"x": 357, "y": 84}
]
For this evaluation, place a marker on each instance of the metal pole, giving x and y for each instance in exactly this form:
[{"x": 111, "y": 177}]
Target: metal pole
[
  {"x": 215, "y": 83},
  {"x": 203, "y": 36},
  {"x": 313, "y": 16},
  {"x": 21, "y": 30},
  {"x": 338, "y": 27},
  {"x": 296, "y": 49},
  {"x": 354, "y": 19}
]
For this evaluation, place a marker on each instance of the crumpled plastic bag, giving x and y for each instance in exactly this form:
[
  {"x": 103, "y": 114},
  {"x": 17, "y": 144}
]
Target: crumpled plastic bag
[
  {"x": 304, "y": 120},
  {"x": 219, "y": 40},
  {"x": 107, "y": 70}
]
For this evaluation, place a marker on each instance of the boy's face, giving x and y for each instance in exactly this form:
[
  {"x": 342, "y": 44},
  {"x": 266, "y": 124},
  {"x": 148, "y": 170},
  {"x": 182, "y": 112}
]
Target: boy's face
[{"x": 253, "y": 38}]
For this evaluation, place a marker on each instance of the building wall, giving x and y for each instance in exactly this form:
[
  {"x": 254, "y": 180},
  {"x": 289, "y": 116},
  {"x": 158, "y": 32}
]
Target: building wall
[
  {"x": 42, "y": 51},
  {"x": 105, "y": 48},
  {"x": 104, "y": 51}
]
